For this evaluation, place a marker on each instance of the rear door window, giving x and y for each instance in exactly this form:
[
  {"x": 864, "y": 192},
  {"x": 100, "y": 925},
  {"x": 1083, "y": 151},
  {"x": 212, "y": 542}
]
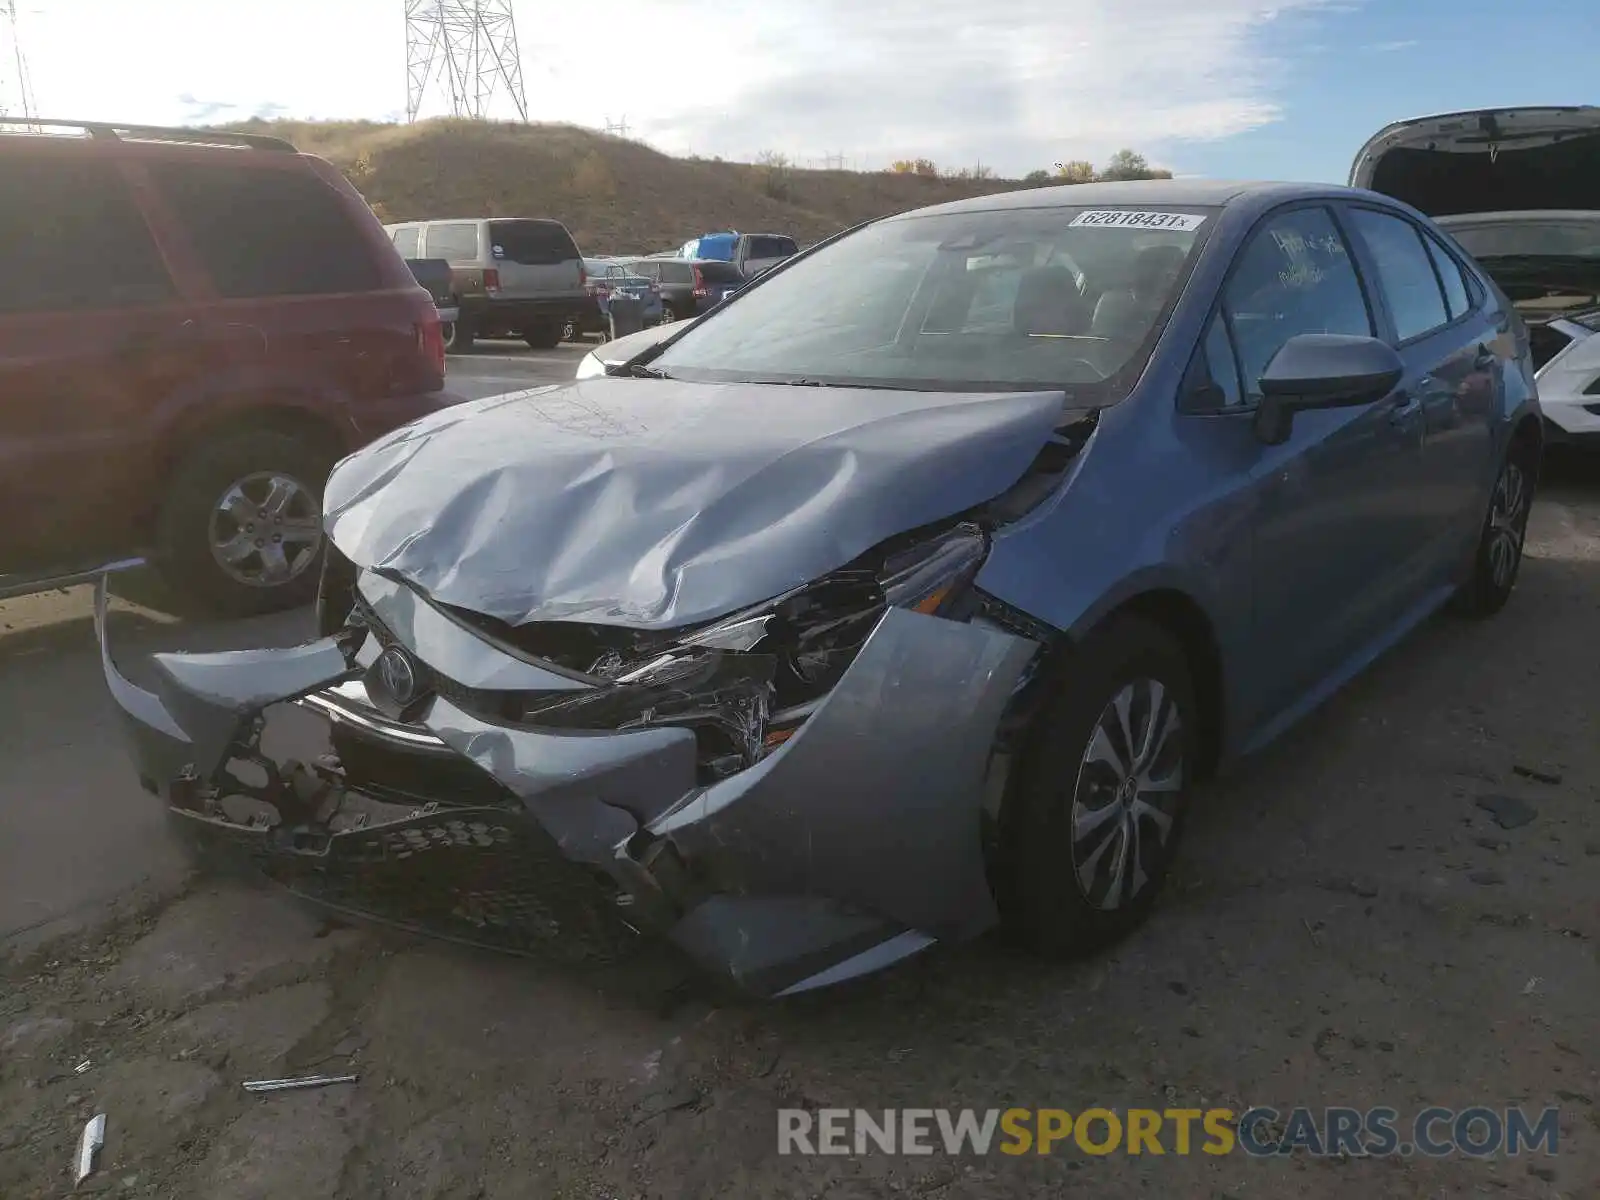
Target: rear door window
[
  {"x": 406, "y": 241},
  {"x": 456, "y": 241},
  {"x": 1451, "y": 276},
  {"x": 75, "y": 241},
  {"x": 268, "y": 231},
  {"x": 531, "y": 243},
  {"x": 677, "y": 272},
  {"x": 1405, "y": 272}
]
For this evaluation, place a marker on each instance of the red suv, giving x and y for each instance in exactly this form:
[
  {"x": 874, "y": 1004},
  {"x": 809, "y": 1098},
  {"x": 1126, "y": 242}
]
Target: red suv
[{"x": 194, "y": 327}]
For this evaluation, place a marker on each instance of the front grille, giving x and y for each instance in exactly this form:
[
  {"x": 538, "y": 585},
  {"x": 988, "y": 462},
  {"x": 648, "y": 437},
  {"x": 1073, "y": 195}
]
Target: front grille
[{"x": 481, "y": 877}]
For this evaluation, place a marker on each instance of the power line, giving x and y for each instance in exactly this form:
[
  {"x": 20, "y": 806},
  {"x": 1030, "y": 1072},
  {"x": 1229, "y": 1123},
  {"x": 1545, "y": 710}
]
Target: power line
[{"x": 471, "y": 45}]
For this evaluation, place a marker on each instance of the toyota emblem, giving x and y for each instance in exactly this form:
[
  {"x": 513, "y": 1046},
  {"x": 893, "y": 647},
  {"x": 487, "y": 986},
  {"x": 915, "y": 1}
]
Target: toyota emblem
[{"x": 398, "y": 676}]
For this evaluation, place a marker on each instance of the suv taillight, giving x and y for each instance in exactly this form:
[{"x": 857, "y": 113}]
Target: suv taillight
[
  {"x": 699, "y": 283},
  {"x": 491, "y": 280},
  {"x": 430, "y": 341}
]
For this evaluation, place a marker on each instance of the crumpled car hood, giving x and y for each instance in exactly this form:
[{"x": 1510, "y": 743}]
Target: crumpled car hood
[{"x": 656, "y": 504}]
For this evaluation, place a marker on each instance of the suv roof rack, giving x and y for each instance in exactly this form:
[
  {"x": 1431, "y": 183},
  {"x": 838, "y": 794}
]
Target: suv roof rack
[{"x": 117, "y": 131}]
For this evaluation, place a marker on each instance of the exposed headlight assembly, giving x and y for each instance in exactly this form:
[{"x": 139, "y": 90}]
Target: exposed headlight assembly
[
  {"x": 748, "y": 681},
  {"x": 590, "y": 366}
]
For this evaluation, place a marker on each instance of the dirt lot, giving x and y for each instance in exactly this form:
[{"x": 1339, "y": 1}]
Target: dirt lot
[{"x": 1352, "y": 925}]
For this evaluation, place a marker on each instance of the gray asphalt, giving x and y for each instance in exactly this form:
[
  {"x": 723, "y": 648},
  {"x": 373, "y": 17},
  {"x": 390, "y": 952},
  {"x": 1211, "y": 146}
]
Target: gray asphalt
[
  {"x": 495, "y": 367},
  {"x": 75, "y": 830}
]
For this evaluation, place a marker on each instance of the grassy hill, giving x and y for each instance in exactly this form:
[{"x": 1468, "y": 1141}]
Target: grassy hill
[{"x": 616, "y": 196}]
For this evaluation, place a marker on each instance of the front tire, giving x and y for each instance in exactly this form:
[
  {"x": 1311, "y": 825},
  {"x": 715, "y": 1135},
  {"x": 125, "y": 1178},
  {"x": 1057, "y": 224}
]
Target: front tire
[
  {"x": 240, "y": 531},
  {"x": 1093, "y": 817},
  {"x": 1498, "y": 559}
]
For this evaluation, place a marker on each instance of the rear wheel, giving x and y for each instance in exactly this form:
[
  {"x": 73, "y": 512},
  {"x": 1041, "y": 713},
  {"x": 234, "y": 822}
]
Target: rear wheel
[
  {"x": 668, "y": 316},
  {"x": 546, "y": 335},
  {"x": 1498, "y": 561},
  {"x": 1094, "y": 815},
  {"x": 241, "y": 529}
]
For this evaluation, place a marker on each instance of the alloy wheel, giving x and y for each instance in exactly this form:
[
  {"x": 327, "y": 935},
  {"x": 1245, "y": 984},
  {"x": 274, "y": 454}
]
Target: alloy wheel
[
  {"x": 1508, "y": 524},
  {"x": 1128, "y": 786},
  {"x": 266, "y": 529}
]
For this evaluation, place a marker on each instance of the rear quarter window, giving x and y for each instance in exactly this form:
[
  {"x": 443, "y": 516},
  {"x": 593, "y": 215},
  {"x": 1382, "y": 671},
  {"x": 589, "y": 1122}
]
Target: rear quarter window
[
  {"x": 455, "y": 241},
  {"x": 267, "y": 231},
  {"x": 772, "y": 247},
  {"x": 531, "y": 243},
  {"x": 406, "y": 241}
]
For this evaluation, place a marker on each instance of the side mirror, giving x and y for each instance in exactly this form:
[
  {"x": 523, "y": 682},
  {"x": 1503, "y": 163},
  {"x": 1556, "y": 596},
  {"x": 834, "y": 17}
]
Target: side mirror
[{"x": 1322, "y": 370}]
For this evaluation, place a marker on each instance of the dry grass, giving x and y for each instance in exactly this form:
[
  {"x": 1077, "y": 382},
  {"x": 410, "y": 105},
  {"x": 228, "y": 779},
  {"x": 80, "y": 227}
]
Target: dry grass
[{"x": 616, "y": 196}]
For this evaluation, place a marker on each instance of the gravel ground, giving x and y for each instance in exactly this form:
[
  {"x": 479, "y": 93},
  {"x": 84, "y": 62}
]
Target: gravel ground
[{"x": 1351, "y": 925}]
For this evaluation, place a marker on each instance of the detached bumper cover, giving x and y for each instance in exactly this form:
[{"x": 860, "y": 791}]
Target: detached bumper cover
[{"x": 854, "y": 843}]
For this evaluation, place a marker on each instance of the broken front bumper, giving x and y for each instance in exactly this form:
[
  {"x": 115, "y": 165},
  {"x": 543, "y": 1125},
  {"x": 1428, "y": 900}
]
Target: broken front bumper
[{"x": 852, "y": 844}]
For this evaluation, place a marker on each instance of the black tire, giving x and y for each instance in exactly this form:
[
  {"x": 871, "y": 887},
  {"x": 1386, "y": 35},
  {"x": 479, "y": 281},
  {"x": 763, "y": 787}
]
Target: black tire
[
  {"x": 184, "y": 528},
  {"x": 1504, "y": 534},
  {"x": 459, "y": 335},
  {"x": 668, "y": 315},
  {"x": 544, "y": 336},
  {"x": 1042, "y": 901}
]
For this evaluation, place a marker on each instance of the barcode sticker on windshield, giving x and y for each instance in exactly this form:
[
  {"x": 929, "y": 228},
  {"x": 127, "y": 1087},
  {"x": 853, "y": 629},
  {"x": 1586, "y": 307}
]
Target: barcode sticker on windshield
[{"x": 1123, "y": 218}]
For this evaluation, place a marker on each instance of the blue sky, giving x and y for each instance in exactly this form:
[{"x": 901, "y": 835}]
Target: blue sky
[
  {"x": 1237, "y": 88},
  {"x": 1354, "y": 72}
]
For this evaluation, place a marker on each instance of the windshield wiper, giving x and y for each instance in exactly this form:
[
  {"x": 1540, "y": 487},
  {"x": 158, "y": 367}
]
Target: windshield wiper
[{"x": 640, "y": 371}]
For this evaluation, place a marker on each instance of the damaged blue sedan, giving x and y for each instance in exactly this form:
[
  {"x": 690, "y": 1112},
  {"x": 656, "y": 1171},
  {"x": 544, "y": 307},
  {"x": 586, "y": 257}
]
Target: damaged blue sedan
[{"x": 907, "y": 594}]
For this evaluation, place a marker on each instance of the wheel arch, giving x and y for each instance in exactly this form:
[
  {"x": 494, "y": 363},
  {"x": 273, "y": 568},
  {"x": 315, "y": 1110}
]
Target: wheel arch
[
  {"x": 267, "y": 414},
  {"x": 1186, "y": 620}
]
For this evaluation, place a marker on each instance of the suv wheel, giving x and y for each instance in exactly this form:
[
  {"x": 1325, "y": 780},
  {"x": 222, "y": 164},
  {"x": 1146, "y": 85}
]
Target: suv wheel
[
  {"x": 544, "y": 336},
  {"x": 241, "y": 529}
]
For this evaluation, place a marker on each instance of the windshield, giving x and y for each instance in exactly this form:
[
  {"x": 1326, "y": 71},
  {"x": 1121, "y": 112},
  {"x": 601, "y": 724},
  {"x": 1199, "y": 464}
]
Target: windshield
[
  {"x": 1534, "y": 239},
  {"x": 1002, "y": 300}
]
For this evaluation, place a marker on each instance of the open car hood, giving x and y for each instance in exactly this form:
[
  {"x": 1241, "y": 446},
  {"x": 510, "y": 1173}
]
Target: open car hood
[
  {"x": 1490, "y": 160},
  {"x": 655, "y": 503}
]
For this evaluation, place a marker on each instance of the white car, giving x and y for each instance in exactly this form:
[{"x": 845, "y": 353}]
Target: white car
[{"x": 1519, "y": 189}]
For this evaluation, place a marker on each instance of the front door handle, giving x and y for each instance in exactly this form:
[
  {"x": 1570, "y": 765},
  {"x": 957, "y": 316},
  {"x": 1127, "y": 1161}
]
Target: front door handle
[{"x": 1404, "y": 408}]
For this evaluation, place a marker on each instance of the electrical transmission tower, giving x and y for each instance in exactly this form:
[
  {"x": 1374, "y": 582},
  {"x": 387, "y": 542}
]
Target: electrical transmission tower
[
  {"x": 469, "y": 44},
  {"x": 16, "y": 100}
]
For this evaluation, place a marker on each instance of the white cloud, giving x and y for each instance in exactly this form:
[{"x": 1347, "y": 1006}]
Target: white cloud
[
  {"x": 1017, "y": 86},
  {"x": 1391, "y": 47}
]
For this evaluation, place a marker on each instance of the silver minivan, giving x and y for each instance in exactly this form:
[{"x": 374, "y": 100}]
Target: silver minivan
[{"x": 513, "y": 276}]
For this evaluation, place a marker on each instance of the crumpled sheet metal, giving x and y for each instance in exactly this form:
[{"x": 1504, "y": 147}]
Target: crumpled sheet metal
[
  {"x": 656, "y": 504},
  {"x": 876, "y": 802},
  {"x": 582, "y": 787},
  {"x": 203, "y": 700},
  {"x": 465, "y": 657}
]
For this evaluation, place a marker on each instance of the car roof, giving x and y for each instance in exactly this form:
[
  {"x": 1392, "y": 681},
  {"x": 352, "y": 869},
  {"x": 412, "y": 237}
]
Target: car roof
[{"x": 1212, "y": 193}]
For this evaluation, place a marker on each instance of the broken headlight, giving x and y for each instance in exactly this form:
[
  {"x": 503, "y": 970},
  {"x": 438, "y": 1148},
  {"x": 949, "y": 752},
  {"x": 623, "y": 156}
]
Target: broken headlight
[{"x": 746, "y": 682}]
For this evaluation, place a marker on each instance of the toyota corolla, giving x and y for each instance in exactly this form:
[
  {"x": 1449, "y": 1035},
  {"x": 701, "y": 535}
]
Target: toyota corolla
[{"x": 909, "y": 593}]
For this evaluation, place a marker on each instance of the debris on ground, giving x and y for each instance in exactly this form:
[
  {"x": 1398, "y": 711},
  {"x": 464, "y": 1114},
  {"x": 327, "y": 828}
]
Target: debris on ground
[
  {"x": 89, "y": 1143},
  {"x": 291, "y": 1085},
  {"x": 1508, "y": 812},
  {"x": 1537, "y": 775}
]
